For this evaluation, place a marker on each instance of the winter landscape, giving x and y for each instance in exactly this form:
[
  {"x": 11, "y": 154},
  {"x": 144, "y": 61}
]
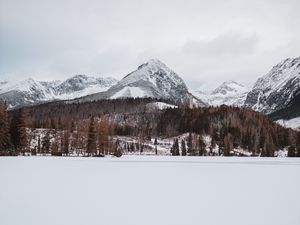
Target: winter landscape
[
  {"x": 149, "y": 190},
  {"x": 149, "y": 112}
]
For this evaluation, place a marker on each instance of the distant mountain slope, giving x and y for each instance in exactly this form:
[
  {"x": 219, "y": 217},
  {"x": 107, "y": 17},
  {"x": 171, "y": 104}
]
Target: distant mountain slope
[
  {"x": 292, "y": 110},
  {"x": 29, "y": 92},
  {"x": 277, "y": 88},
  {"x": 25, "y": 92},
  {"x": 151, "y": 79},
  {"x": 228, "y": 93}
]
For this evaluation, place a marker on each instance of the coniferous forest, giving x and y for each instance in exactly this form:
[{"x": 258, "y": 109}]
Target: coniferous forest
[{"x": 103, "y": 127}]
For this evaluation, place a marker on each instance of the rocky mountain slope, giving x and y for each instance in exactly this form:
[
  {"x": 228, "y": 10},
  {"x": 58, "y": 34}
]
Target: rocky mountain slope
[
  {"x": 276, "y": 89},
  {"x": 292, "y": 109},
  {"x": 151, "y": 79},
  {"x": 274, "y": 92},
  {"x": 228, "y": 93},
  {"x": 29, "y": 92}
]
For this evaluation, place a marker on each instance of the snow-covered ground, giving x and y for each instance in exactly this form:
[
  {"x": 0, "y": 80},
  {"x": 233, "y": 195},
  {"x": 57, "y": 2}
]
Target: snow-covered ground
[
  {"x": 148, "y": 190},
  {"x": 292, "y": 123}
]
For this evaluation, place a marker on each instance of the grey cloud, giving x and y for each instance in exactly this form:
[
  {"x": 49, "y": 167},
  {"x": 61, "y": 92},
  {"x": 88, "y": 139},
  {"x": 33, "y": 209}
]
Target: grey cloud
[
  {"x": 225, "y": 44},
  {"x": 203, "y": 41}
]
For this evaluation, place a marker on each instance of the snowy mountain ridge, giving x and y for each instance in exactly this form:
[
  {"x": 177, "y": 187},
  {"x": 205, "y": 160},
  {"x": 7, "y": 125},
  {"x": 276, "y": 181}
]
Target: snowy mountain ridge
[
  {"x": 30, "y": 91},
  {"x": 276, "y": 89},
  {"x": 270, "y": 93},
  {"x": 228, "y": 93},
  {"x": 151, "y": 79}
]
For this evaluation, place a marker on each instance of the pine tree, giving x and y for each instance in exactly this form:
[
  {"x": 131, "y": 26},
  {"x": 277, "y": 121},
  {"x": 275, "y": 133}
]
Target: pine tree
[
  {"x": 183, "y": 148},
  {"x": 39, "y": 145},
  {"x": 18, "y": 131},
  {"x": 54, "y": 146},
  {"x": 201, "y": 146},
  {"x": 155, "y": 143},
  {"x": 65, "y": 142},
  {"x": 91, "y": 143},
  {"x": 103, "y": 137},
  {"x": 46, "y": 143},
  {"x": 190, "y": 144},
  {"x": 292, "y": 151},
  {"x": 227, "y": 145},
  {"x": 298, "y": 144},
  {"x": 175, "y": 148},
  {"x": 4, "y": 129}
]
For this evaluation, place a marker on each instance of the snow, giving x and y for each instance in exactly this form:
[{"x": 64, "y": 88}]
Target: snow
[
  {"x": 35, "y": 91},
  {"x": 281, "y": 83},
  {"x": 161, "y": 105},
  {"x": 77, "y": 94},
  {"x": 135, "y": 190},
  {"x": 24, "y": 85},
  {"x": 151, "y": 79},
  {"x": 134, "y": 92},
  {"x": 292, "y": 123},
  {"x": 146, "y": 71},
  {"x": 228, "y": 93}
]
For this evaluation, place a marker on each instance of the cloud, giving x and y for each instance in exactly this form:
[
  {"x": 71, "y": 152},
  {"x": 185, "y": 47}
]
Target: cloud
[
  {"x": 229, "y": 44},
  {"x": 203, "y": 41}
]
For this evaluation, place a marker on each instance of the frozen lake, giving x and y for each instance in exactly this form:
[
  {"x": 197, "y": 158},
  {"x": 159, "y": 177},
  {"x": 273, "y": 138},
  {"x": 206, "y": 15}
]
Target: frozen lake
[{"x": 141, "y": 190}]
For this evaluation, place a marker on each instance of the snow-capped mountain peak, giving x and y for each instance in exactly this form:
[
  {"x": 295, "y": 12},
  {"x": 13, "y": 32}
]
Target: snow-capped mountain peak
[
  {"x": 82, "y": 82},
  {"x": 151, "y": 79},
  {"x": 230, "y": 88},
  {"x": 228, "y": 93},
  {"x": 275, "y": 90},
  {"x": 151, "y": 71},
  {"x": 30, "y": 91}
]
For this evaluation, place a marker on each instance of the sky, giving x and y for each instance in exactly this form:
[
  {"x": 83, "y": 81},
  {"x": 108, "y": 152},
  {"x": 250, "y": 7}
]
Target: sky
[{"x": 204, "y": 42}]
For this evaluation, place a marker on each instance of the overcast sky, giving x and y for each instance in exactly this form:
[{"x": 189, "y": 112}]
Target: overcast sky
[{"x": 205, "y": 42}]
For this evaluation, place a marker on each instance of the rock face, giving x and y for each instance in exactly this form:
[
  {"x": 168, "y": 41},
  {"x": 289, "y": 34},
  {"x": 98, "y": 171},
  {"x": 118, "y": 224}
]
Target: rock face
[
  {"x": 276, "y": 89},
  {"x": 151, "y": 79},
  {"x": 292, "y": 110},
  {"x": 228, "y": 93},
  {"x": 30, "y": 92},
  {"x": 81, "y": 82}
]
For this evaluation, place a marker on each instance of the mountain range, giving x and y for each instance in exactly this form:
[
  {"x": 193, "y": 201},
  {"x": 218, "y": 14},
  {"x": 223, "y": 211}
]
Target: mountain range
[
  {"x": 30, "y": 92},
  {"x": 228, "y": 93},
  {"x": 152, "y": 79},
  {"x": 276, "y": 93}
]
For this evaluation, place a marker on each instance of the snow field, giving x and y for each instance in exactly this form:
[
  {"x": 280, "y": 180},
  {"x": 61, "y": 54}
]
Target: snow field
[{"x": 148, "y": 190}]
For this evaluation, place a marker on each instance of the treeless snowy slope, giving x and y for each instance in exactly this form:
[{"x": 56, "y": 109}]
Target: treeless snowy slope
[
  {"x": 149, "y": 190},
  {"x": 292, "y": 123}
]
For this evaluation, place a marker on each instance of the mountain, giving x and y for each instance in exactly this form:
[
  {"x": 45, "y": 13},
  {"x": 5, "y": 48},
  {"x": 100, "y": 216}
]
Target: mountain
[
  {"x": 291, "y": 111},
  {"x": 228, "y": 93},
  {"x": 151, "y": 79},
  {"x": 24, "y": 92},
  {"x": 276, "y": 89},
  {"x": 30, "y": 92}
]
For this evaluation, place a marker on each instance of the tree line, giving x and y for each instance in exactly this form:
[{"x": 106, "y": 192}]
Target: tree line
[{"x": 93, "y": 128}]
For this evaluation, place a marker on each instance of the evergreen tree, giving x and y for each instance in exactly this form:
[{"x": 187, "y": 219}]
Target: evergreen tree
[
  {"x": 4, "y": 129},
  {"x": 155, "y": 143},
  {"x": 298, "y": 144},
  {"x": 46, "y": 143},
  {"x": 183, "y": 148},
  {"x": 201, "y": 146},
  {"x": 227, "y": 145},
  {"x": 18, "y": 131},
  {"x": 54, "y": 146},
  {"x": 175, "y": 147},
  {"x": 190, "y": 144},
  {"x": 91, "y": 143},
  {"x": 292, "y": 151},
  {"x": 39, "y": 145},
  {"x": 65, "y": 142}
]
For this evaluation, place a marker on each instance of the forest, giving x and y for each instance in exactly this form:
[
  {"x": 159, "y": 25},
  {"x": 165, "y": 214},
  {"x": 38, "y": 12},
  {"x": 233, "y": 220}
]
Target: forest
[{"x": 98, "y": 129}]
